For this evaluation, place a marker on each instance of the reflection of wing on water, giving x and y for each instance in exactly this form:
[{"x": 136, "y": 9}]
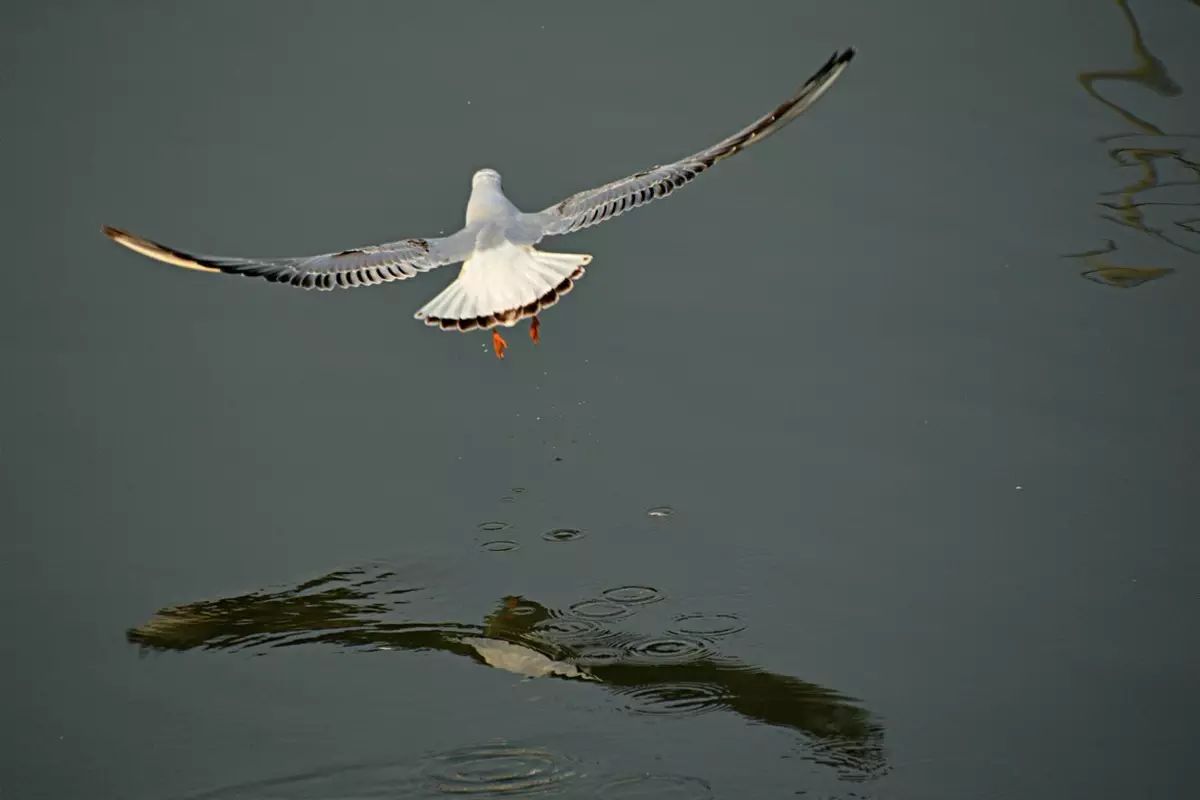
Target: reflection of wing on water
[
  {"x": 522, "y": 660},
  {"x": 358, "y": 609}
]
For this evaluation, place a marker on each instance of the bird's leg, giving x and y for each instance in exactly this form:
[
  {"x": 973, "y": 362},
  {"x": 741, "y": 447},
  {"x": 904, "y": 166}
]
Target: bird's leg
[
  {"x": 498, "y": 343},
  {"x": 534, "y": 328}
]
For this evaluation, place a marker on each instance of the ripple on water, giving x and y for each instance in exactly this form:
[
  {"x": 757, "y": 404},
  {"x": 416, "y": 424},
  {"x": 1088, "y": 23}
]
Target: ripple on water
[
  {"x": 500, "y": 545},
  {"x": 655, "y": 787},
  {"x": 492, "y": 770},
  {"x": 570, "y": 629},
  {"x": 598, "y": 656},
  {"x": 677, "y": 699},
  {"x": 494, "y": 525},
  {"x": 708, "y": 625},
  {"x": 497, "y": 770},
  {"x": 669, "y": 650},
  {"x": 632, "y": 595},
  {"x": 600, "y": 609},
  {"x": 563, "y": 535},
  {"x": 521, "y": 610},
  {"x": 660, "y": 511}
]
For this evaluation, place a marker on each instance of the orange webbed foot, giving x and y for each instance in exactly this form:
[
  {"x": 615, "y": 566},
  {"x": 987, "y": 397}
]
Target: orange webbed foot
[
  {"x": 535, "y": 330},
  {"x": 498, "y": 344}
]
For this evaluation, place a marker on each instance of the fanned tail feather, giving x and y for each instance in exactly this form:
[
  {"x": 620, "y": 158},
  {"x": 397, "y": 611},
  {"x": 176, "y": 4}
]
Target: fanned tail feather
[{"x": 503, "y": 285}]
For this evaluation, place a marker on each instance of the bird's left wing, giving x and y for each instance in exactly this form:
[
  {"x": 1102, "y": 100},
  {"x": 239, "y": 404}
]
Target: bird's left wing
[
  {"x": 594, "y": 206},
  {"x": 360, "y": 266}
]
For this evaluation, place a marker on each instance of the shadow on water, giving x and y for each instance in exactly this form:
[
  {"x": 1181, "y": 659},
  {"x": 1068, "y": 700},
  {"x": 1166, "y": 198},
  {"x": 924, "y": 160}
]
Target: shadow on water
[
  {"x": 680, "y": 672},
  {"x": 1162, "y": 167}
]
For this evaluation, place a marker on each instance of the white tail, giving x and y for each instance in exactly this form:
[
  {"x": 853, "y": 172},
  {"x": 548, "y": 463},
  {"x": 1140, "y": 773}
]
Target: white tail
[{"x": 503, "y": 285}]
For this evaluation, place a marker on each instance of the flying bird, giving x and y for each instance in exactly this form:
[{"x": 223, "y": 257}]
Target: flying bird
[{"x": 504, "y": 278}]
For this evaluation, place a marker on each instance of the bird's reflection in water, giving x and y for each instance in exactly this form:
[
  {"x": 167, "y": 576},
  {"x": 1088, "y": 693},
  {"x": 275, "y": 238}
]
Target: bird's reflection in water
[
  {"x": 1161, "y": 201},
  {"x": 680, "y": 672}
]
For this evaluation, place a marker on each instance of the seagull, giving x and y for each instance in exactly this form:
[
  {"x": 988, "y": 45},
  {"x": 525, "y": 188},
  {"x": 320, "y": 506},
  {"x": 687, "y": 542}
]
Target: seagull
[{"x": 504, "y": 278}]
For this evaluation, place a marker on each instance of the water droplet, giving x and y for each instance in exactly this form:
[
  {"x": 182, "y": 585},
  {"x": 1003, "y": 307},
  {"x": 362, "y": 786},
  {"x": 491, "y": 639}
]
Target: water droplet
[
  {"x": 600, "y": 609},
  {"x": 563, "y": 535},
  {"x": 507, "y": 499},
  {"x": 633, "y": 595},
  {"x": 494, "y": 525},
  {"x": 656, "y": 787},
  {"x": 518, "y": 490},
  {"x": 497, "y": 770},
  {"x": 500, "y": 545},
  {"x": 708, "y": 625},
  {"x": 660, "y": 511}
]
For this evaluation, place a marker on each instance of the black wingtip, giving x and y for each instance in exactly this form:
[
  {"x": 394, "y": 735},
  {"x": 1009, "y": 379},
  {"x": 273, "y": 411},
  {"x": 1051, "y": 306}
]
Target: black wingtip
[{"x": 838, "y": 59}]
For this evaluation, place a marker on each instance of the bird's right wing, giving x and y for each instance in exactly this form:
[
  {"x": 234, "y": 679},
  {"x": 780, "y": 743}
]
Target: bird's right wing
[
  {"x": 593, "y": 206},
  {"x": 359, "y": 266}
]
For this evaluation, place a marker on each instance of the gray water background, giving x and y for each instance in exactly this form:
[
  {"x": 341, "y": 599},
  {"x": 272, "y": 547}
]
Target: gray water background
[{"x": 918, "y": 379}]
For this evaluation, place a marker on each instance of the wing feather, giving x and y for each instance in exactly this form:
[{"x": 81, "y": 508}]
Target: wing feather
[
  {"x": 593, "y": 206},
  {"x": 360, "y": 266}
]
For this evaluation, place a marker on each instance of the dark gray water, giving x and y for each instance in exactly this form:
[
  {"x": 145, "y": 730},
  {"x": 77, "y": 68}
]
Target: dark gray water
[{"x": 864, "y": 467}]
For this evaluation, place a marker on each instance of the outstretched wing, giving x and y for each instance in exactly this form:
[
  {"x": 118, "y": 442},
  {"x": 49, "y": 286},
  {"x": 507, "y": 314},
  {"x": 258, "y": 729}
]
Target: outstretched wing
[
  {"x": 594, "y": 206},
  {"x": 360, "y": 266}
]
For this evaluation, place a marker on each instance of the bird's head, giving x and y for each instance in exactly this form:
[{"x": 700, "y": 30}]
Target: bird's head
[{"x": 485, "y": 176}]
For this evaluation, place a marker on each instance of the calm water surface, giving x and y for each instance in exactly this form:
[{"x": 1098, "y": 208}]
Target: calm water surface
[{"x": 865, "y": 468}]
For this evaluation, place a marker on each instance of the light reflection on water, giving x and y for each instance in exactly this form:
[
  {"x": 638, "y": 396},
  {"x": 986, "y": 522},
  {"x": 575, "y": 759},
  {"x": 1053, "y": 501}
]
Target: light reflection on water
[
  {"x": 683, "y": 671},
  {"x": 1160, "y": 200}
]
